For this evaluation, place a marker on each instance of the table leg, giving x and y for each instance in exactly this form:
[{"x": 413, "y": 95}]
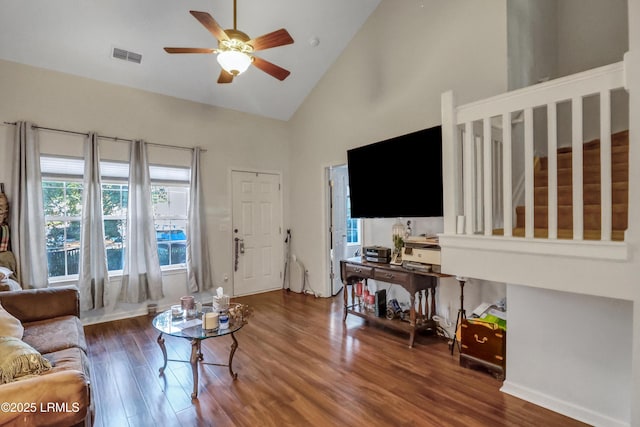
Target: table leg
[
  {"x": 432, "y": 313},
  {"x": 195, "y": 356},
  {"x": 234, "y": 346},
  {"x": 346, "y": 301},
  {"x": 412, "y": 318},
  {"x": 164, "y": 352}
]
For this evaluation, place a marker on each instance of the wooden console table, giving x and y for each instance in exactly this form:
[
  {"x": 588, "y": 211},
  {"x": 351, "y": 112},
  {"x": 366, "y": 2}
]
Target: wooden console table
[{"x": 355, "y": 269}]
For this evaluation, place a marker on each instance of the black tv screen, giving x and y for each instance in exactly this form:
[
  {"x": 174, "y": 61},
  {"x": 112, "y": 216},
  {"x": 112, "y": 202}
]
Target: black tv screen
[{"x": 398, "y": 177}]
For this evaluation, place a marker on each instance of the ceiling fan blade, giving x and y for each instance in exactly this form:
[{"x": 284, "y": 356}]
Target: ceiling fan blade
[
  {"x": 271, "y": 69},
  {"x": 225, "y": 77},
  {"x": 210, "y": 24},
  {"x": 188, "y": 50},
  {"x": 276, "y": 38}
]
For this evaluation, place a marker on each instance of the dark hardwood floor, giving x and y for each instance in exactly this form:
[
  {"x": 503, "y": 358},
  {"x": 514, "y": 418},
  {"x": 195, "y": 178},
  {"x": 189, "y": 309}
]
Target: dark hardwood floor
[{"x": 298, "y": 364}]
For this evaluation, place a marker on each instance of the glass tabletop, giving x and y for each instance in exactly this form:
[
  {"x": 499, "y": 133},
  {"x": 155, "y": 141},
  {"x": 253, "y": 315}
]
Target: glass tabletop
[{"x": 192, "y": 327}]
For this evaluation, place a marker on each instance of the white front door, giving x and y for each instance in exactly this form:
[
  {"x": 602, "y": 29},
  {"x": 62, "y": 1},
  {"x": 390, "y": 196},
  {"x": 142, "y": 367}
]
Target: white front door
[
  {"x": 338, "y": 228},
  {"x": 256, "y": 232}
]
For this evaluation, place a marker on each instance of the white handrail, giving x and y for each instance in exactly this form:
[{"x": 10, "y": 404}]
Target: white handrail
[{"x": 472, "y": 193}]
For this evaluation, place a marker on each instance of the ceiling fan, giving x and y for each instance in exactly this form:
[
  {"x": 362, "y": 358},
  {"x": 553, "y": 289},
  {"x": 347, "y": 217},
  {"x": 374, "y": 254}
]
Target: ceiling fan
[{"x": 235, "y": 48}]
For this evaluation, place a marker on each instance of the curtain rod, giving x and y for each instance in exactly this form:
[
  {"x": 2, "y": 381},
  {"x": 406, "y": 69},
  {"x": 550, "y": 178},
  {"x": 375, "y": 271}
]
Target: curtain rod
[{"x": 112, "y": 138}]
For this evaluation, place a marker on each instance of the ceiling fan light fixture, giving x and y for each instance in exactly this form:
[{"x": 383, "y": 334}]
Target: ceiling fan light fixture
[{"x": 233, "y": 61}]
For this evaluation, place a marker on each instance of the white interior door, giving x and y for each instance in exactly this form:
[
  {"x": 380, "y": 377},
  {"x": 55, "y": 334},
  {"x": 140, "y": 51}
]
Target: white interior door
[
  {"x": 256, "y": 232},
  {"x": 338, "y": 227}
]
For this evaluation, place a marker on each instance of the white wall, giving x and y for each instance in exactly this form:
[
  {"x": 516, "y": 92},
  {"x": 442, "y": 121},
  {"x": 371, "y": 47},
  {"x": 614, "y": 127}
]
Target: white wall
[
  {"x": 532, "y": 41},
  {"x": 591, "y": 33},
  {"x": 570, "y": 353},
  {"x": 232, "y": 139},
  {"x": 633, "y": 83},
  {"x": 386, "y": 83}
]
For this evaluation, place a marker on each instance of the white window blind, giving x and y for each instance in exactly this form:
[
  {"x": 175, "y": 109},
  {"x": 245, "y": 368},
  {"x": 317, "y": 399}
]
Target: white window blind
[{"x": 57, "y": 166}]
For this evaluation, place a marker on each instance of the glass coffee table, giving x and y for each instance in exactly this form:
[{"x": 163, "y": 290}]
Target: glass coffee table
[{"x": 191, "y": 329}]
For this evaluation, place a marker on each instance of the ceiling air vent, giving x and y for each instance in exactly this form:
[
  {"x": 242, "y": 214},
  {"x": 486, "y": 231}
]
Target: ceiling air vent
[{"x": 125, "y": 55}]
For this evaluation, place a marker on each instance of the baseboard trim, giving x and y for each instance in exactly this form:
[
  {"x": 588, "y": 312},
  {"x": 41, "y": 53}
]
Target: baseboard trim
[
  {"x": 562, "y": 407},
  {"x": 119, "y": 315}
]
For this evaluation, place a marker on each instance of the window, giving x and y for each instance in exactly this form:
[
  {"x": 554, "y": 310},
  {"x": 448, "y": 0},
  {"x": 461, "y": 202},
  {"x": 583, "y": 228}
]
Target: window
[
  {"x": 353, "y": 226},
  {"x": 62, "y": 196},
  {"x": 115, "y": 199},
  {"x": 62, "y": 208},
  {"x": 170, "y": 216}
]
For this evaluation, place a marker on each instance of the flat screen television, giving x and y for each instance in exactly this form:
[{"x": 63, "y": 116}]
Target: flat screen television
[{"x": 398, "y": 177}]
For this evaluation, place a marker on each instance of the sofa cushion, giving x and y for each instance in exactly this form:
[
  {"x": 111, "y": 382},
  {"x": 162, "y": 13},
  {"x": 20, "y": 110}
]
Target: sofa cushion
[
  {"x": 51, "y": 335},
  {"x": 69, "y": 359},
  {"x": 7, "y": 284},
  {"x": 9, "y": 325},
  {"x": 18, "y": 359}
]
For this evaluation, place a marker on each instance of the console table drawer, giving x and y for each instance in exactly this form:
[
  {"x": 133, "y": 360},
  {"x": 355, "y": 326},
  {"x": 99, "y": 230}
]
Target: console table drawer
[
  {"x": 352, "y": 270},
  {"x": 397, "y": 277}
]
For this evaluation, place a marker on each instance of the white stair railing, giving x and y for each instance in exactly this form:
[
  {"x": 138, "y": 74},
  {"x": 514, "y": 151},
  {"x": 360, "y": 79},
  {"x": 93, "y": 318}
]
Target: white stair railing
[{"x": 473, "y": 202}]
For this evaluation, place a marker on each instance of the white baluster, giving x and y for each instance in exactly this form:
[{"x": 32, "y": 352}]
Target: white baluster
[
  {"x": 576, "y": 165},
  {"x": 468, "y": 177},
  {"x": 528, "y": 173},
  {"x": 506, "y": 175},
  {"x": 487, "y": 180},
  {"x": 605, "y": 165},
  {"x": 552, "y": 169}
]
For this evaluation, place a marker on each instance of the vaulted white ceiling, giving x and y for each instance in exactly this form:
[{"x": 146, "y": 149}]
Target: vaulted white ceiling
[{"x": 78, "y": 37}]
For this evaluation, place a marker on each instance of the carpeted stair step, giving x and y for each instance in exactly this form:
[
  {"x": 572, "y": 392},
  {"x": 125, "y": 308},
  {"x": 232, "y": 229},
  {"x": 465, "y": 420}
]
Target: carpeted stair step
[
  {"x": 591, "y": 151},
  {"x": 591, "y": 218},
  {"x": 543, "y": 233},
  {"x": 590, "y": 194},
  {"x": 591, "y": 175},
  {"x": 619, "y": 155}
]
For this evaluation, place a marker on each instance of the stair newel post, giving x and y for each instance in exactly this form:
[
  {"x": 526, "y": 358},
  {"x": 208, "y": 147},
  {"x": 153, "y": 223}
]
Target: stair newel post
[
  {"x": 576, "y": 165},
  {"x": 605, "y": 166},
  {"x": 451, "y": 173},
  {"x": 552, "y": 169}
]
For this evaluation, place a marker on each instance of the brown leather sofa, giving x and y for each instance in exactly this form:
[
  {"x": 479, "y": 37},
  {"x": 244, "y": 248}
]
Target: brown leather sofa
[{"x": 62, "y": 395}]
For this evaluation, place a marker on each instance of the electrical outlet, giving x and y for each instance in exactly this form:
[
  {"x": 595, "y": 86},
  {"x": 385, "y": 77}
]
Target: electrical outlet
[{"x": 226, "y": 277}]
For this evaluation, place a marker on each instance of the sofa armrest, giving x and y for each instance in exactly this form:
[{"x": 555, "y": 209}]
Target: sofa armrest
[
  {"x": 30, "y": 305},
  {"x": 58, "y": 398}
]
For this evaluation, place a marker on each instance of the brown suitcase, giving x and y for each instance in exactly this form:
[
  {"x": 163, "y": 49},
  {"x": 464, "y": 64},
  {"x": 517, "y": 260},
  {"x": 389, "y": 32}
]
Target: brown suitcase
[{"x": 484, "y": 345}]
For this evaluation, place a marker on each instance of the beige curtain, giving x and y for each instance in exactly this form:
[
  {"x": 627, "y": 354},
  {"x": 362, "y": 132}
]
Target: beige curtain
[
  {"x": 27, "y": 210},
  {"x": 141, "y": 277},
  {"x": 198, "y": 262},
  {"x": 93, "y": 277}
]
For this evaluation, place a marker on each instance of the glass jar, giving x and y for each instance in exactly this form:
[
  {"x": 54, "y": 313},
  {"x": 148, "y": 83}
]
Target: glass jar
[{"x": 397, "y": 234}]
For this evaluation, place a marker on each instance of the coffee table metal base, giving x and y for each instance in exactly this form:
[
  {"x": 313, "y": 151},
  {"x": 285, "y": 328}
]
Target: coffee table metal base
[{"x": 196, "y": 356}]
